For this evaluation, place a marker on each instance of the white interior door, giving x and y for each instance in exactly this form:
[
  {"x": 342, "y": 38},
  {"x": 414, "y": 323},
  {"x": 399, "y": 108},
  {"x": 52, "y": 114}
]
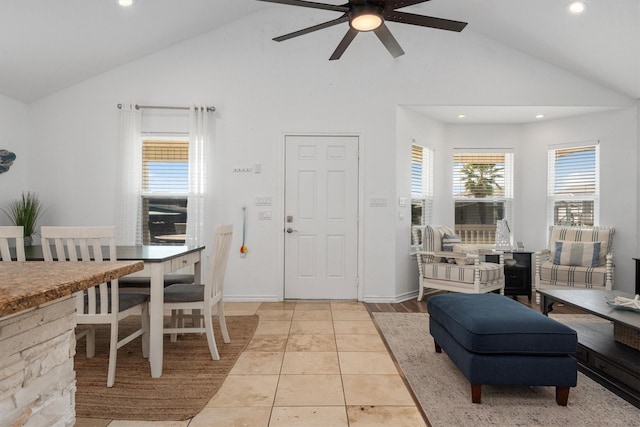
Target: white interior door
[{"x": 321, "y": 217}]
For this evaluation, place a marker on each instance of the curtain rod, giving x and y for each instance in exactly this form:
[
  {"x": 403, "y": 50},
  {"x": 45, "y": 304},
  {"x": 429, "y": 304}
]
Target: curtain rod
[{"x": 160, "y": 107}]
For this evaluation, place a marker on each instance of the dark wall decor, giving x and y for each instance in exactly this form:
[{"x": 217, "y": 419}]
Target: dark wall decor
[{"x": 6, "y": 160}]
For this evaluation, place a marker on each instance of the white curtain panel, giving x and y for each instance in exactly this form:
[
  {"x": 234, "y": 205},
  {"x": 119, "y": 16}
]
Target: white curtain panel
[
  {"x": 129, "y": 229},
  {"x": 198, "y": 160}
]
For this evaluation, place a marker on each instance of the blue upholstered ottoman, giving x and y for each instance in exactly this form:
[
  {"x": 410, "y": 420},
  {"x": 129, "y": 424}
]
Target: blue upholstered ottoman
[{"x": 495, "y": 340}]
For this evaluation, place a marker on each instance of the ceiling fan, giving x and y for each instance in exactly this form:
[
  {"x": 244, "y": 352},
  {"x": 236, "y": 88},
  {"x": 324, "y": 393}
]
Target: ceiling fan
[{"x": 370, "y": 15}]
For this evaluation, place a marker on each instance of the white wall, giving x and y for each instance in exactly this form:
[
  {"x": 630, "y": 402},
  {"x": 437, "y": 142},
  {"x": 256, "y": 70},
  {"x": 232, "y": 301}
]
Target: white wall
[
  {"x": 617, "y": 132},
  {"x": 13, "y": 137},
  {"x": 413, "y": 128},
  {"x": 263, "y": 90}
]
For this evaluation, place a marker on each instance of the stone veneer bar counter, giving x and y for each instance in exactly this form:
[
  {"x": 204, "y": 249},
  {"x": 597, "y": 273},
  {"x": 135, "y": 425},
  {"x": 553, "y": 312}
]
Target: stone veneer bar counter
[{"x": 37, "y": 340}]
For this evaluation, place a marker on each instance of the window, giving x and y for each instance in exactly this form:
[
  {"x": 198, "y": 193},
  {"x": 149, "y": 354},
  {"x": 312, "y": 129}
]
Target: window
[
  {"x": 165, "y": 170},
  {"x": 421, "y": 190},
  {"x": 574, "y": 185},
  {"x": 482, "y": 193}
]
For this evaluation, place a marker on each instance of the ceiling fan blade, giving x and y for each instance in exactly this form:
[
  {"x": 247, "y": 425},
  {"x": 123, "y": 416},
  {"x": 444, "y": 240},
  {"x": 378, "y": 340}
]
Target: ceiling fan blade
[
  {"x": 344, "y": 44},
  {"x": 327, "y": 24},
  {"x": 398, "y": 4},
  {"x": 337, "y": 8},
  {"x": 389, "y": 41},
  {"x": 424, "y": 21}
]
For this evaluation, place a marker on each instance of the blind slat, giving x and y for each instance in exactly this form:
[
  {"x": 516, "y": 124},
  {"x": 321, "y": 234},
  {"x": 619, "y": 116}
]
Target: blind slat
[
  {"x": 421, "y": 185},
  {"x": 573, "y": 185},
  {"x": 165, "y": 166}
]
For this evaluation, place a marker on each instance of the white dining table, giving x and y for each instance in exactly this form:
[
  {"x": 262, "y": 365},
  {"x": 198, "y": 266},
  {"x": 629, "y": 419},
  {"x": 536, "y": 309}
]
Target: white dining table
[{"x": 158, "y": 261}]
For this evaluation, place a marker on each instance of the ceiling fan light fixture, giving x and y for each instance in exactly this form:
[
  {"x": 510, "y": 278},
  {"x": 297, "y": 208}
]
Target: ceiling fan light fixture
[
  {"x": 577, "y": 7},
  {"x": 366, "y": 18}
]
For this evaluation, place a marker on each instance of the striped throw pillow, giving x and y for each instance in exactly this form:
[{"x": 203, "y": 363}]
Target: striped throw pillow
[
  {"x": 583, "y": 254},
  {"x": 448, "y": 240}
]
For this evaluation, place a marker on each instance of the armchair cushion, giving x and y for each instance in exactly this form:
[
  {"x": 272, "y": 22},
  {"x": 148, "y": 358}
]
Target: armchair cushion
[
  {"x": 467, "y": 250},
  {"x": 489, "y": 272},
  {"x": 584, "y": 254},
  {"x": 572, "y": 276}
]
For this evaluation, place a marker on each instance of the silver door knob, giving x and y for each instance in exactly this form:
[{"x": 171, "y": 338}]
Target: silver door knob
[{"x": 291, "y": 230}]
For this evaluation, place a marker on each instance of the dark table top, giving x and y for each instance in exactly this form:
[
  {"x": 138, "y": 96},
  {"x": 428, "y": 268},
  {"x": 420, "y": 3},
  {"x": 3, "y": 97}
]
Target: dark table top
[
  {"x": 153, "y": 253},
  {"x": 595, "y": 302}
]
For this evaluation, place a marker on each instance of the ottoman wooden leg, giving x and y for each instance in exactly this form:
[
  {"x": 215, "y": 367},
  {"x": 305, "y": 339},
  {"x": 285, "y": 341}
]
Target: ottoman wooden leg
[
  {"x": 476, "y": 392},
  {"x": 562, "y": 395},
  {"x": 438, "y": 348}
]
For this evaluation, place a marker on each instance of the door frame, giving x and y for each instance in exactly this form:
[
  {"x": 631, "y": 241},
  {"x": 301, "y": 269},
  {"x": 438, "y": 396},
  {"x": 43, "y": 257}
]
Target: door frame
[{"x": 281, "y": 223}]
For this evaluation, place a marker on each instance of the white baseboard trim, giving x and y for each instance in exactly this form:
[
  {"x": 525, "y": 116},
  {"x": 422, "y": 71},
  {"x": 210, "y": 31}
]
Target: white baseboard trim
[
  {"x": 251, "y": 298},
  {"x": 391, "y": 299},
  {"x": 367, "y": 298}
]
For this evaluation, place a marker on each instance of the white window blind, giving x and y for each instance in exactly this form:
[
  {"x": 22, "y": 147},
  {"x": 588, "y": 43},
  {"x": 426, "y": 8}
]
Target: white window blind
[
  {"x": 483, "y": 193},
  {"x": 165, "y": 166},
  {"x": 479, "y": 175},
  {"x": 574, "y": 185},
  {"x": 422, "y": 159},
  {"x": 165, "y": 172}
]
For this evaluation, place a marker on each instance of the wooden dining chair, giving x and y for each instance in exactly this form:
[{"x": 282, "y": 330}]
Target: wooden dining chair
[
  {"x": 102, "y": 304},
  {"x": 11, "y": 236},
  {"x": 204, "y": 300}
]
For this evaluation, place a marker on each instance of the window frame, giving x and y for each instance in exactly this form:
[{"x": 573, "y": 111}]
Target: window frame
[
  {"x": 421, "y": 189},
  {"x": 147, "y": 196},
  {"x": 593, "y": 173},
  {"x": 506, "y": 198}
]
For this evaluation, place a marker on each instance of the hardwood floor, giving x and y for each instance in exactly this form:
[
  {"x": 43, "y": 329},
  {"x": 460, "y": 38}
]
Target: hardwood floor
[{"x": 414, "y": 306}]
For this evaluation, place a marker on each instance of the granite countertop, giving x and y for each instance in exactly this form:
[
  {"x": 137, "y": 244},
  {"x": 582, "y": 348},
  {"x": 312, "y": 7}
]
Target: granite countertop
[{"x": 24, "y": 285}]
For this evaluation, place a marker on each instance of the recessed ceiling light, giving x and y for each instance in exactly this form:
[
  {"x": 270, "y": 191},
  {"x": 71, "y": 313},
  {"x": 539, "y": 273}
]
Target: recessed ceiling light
[
  {"x": 577, "y": 7},
  {"x": 461, "y": 116},
  {"x": 539, "y": 116},
  {"x": 125, "y": 2}
]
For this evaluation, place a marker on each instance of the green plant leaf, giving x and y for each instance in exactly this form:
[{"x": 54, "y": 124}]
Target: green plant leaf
[{"x": 25, "y": 211}]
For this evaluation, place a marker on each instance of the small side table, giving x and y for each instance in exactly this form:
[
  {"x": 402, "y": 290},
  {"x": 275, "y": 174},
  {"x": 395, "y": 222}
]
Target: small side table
[{"x": 517, "y": 278}]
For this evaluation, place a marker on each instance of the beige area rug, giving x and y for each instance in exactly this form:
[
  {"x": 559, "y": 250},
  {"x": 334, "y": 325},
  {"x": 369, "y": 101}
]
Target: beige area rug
[
  {"x": 445, "y": 394},
  {"x": 189, "y": 377}
]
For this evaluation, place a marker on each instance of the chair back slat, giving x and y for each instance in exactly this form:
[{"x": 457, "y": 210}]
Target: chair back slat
[
  {"x": 12, "y": 234},
  {"x": 84, "y": 244},
  {"x": 214, "y": 283}
]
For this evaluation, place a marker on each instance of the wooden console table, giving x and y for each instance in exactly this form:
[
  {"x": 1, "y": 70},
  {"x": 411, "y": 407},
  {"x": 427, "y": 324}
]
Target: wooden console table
[{"x": 611, "y": 363}]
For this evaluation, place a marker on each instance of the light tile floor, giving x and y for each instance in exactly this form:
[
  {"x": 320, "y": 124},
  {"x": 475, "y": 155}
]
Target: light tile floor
[{"x": 308, "y": 364}]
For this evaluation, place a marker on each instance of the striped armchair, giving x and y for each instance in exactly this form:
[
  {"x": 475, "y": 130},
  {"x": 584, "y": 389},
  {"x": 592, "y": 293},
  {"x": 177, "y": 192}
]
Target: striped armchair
[
  {"x": 577, "y": 258},
  {"x": 457, "y": 270}
]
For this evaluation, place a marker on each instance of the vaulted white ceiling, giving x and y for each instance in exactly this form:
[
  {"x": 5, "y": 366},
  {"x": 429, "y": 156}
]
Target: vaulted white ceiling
[{"x": 47, "y": 45}]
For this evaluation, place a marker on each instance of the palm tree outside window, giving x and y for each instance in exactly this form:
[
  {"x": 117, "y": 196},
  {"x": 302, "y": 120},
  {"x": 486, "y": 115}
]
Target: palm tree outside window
[{"x": 483, "y": 194}]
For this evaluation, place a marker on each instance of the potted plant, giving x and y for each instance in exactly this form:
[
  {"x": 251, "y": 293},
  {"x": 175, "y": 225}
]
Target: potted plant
[{"x": 25, "y": 211}]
